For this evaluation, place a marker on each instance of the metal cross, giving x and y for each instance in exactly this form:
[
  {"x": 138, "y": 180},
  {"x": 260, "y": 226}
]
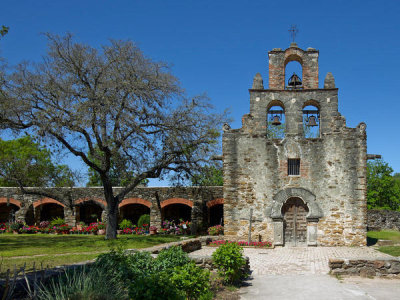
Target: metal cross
[{"x": 293, "y": 31}]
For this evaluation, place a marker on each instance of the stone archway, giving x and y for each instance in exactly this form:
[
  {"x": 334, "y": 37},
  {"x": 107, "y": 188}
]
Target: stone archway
[{"x": 312, "y": 217}]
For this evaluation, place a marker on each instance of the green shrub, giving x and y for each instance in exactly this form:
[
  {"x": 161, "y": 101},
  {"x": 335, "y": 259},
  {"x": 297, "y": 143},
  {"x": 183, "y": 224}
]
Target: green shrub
[
  {"x": 170, "y": 258},
  {"x": 143, "y": 219},
  {"x": 57, "y": 222},
  {"x": 192, "y": 280},
  {"x": 82, "y": 284},
  {"x": 155, "y": 286},
  {"x": 16, "y": 226},
  {"x": 229, "y": 261},
  {"x": 125, "y": 224},
  {"x": 114, "y": 264},
  {"x": 141, "y": 263}
]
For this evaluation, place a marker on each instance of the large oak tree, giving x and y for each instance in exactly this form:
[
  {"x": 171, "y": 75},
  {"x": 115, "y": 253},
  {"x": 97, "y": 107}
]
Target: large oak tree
[{"x": 109, "y": 103}]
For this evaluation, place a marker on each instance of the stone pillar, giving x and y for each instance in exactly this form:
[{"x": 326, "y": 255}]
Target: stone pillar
[
  {"x": 312, "y": 232},
  {"x": 278, "y": 231},
  {"x": 36, "y": 214},
  {"x": 155, "y": 216},
  {"x": 20, "y": 214},
  {"x": 77, "y": 213},
  {"x": 69, "y": 216},
  {"x": 197, "y": 216}
]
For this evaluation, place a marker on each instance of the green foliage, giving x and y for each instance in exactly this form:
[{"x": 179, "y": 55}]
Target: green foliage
[
  {"x": 383, "y": 190},
  {"x": 275, "y": 131},
  {"x": 141, "y": 263},
  {"x": 155, "y": 286},
  {"x": 83, "y": 284},
  {"x": 22, "y": 161},
  {"x": 4, "y": 30},
  {"x": 194, "y": 281},
  {"x": 57, "y": 222},
  {"x": 119, "y": 173},
  {"x": 229, "y": 260},
  {"x": 143, "y": 219},
  {"x": 125, "y": 224},
  {"x": 208, "y": 176},
  {"x": 170, "y": 258}
]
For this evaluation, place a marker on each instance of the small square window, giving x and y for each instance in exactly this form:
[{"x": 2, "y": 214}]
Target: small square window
[{"x": 294, "y": 166}]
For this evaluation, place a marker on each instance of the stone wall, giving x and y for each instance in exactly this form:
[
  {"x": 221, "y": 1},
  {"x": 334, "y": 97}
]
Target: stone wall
[
  {"x": 365, "y": 267},
  {"x": 383, "y": 219}
]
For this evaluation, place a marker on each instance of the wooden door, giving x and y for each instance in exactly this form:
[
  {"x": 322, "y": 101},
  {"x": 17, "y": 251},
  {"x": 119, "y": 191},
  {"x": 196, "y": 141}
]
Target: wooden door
[{"x": 295, "y": 223}]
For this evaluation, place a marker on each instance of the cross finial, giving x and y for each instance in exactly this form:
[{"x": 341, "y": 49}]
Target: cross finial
[{"x": 293, "y": 31}]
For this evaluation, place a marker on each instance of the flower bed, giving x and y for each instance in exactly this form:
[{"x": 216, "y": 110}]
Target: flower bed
[
  {"x": 242, "y": 244},
  {"x": 216, "y": 230},
  {"x": 169, "y": 227}
]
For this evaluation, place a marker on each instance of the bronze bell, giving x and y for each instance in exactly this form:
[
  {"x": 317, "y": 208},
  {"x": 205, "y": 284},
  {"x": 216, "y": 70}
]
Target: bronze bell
[
  {"x": 312, "y": 122},
  {"x": 276, "y": 121}
]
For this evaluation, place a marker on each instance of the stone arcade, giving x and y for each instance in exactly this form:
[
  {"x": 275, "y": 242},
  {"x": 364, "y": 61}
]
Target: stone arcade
[{"x": 302, "y": 190}]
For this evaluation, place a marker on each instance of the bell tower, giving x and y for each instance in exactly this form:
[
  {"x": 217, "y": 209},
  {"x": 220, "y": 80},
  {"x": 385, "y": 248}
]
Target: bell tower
[
  {"x": 278, "y": 59},
  {"x": 294, "y": 161}
]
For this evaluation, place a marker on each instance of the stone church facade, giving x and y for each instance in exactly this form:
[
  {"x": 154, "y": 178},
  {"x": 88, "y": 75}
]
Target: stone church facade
[{"x": 301, "y": 191}]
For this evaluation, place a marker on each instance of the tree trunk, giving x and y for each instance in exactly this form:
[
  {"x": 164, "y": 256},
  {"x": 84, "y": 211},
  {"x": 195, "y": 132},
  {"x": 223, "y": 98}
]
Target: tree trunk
[
  {"x": 112, "y": 209},
  {"x": 112, "y": 217}
]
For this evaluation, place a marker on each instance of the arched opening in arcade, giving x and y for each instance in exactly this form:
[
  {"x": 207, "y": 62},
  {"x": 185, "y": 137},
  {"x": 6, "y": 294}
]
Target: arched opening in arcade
[
  {"x": 133, "y": 212},
  {"x": 215, "y": 212},
  {"x": 49, "y": 211},
  {"x": 89, "y": 212},
  {"x": 7, "y": 212},
  {"x": 177, "y": 210}
]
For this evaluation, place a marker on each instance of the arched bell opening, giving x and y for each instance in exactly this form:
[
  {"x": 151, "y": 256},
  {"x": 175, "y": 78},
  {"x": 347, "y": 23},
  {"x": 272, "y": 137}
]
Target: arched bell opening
[
  {"x": 276, "y": 122},
  {"x": 311, "y": 120},
  {"x": 7, "y": 212},
  {"x": 293, "y": 74},
  {"x": 133, "y": 212},
  {"x": 89, "y": 212},
  {"x": 216, "y": 215},
  {"x": 49, "y": 211},
  {"x": 176, "y": 212},
  {"x": 294, "y": 213}
]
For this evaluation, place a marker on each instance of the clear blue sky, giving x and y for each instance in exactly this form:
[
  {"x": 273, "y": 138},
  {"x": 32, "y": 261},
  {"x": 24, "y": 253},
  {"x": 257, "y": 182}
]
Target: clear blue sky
[{"x": 218, "y": 46}]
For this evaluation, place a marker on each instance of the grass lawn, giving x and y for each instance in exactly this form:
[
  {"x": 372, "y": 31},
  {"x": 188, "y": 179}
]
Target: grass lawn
[
  {"x": 393, "y": 235},
  {"x": 55, "y": 250}
]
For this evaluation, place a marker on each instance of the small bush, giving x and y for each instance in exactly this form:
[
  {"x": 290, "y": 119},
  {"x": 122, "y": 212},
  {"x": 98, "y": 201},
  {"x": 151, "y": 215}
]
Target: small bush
[
  {"x": 125, "y": 224},
  {"x": 192, "y": 280},
  {"x": 57, "y": 222},
  {"x": 155, "y": 286},
  {"x": 16, "y": 226},
  {"x": 170, "y": 258},
  {"x": 216, "y": 230},
  {"x": 143, "y": 220},
  {"x": 114, "y": 264},
  {"x": 229, "y": 261}
]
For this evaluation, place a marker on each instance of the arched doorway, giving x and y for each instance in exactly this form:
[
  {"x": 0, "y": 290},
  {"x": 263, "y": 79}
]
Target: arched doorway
[
  {"x": 215, "y": 212},
  {"x": 50, "y": 211},
  {"x": 294, "y": 213},
  {"x": 177, "y": 211},
  {"x": 7, "y": 212},
  {"x": 133, "y": 212},
  {"x": 89, "y": 212},
  {"x": 217, "y": 215}
]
